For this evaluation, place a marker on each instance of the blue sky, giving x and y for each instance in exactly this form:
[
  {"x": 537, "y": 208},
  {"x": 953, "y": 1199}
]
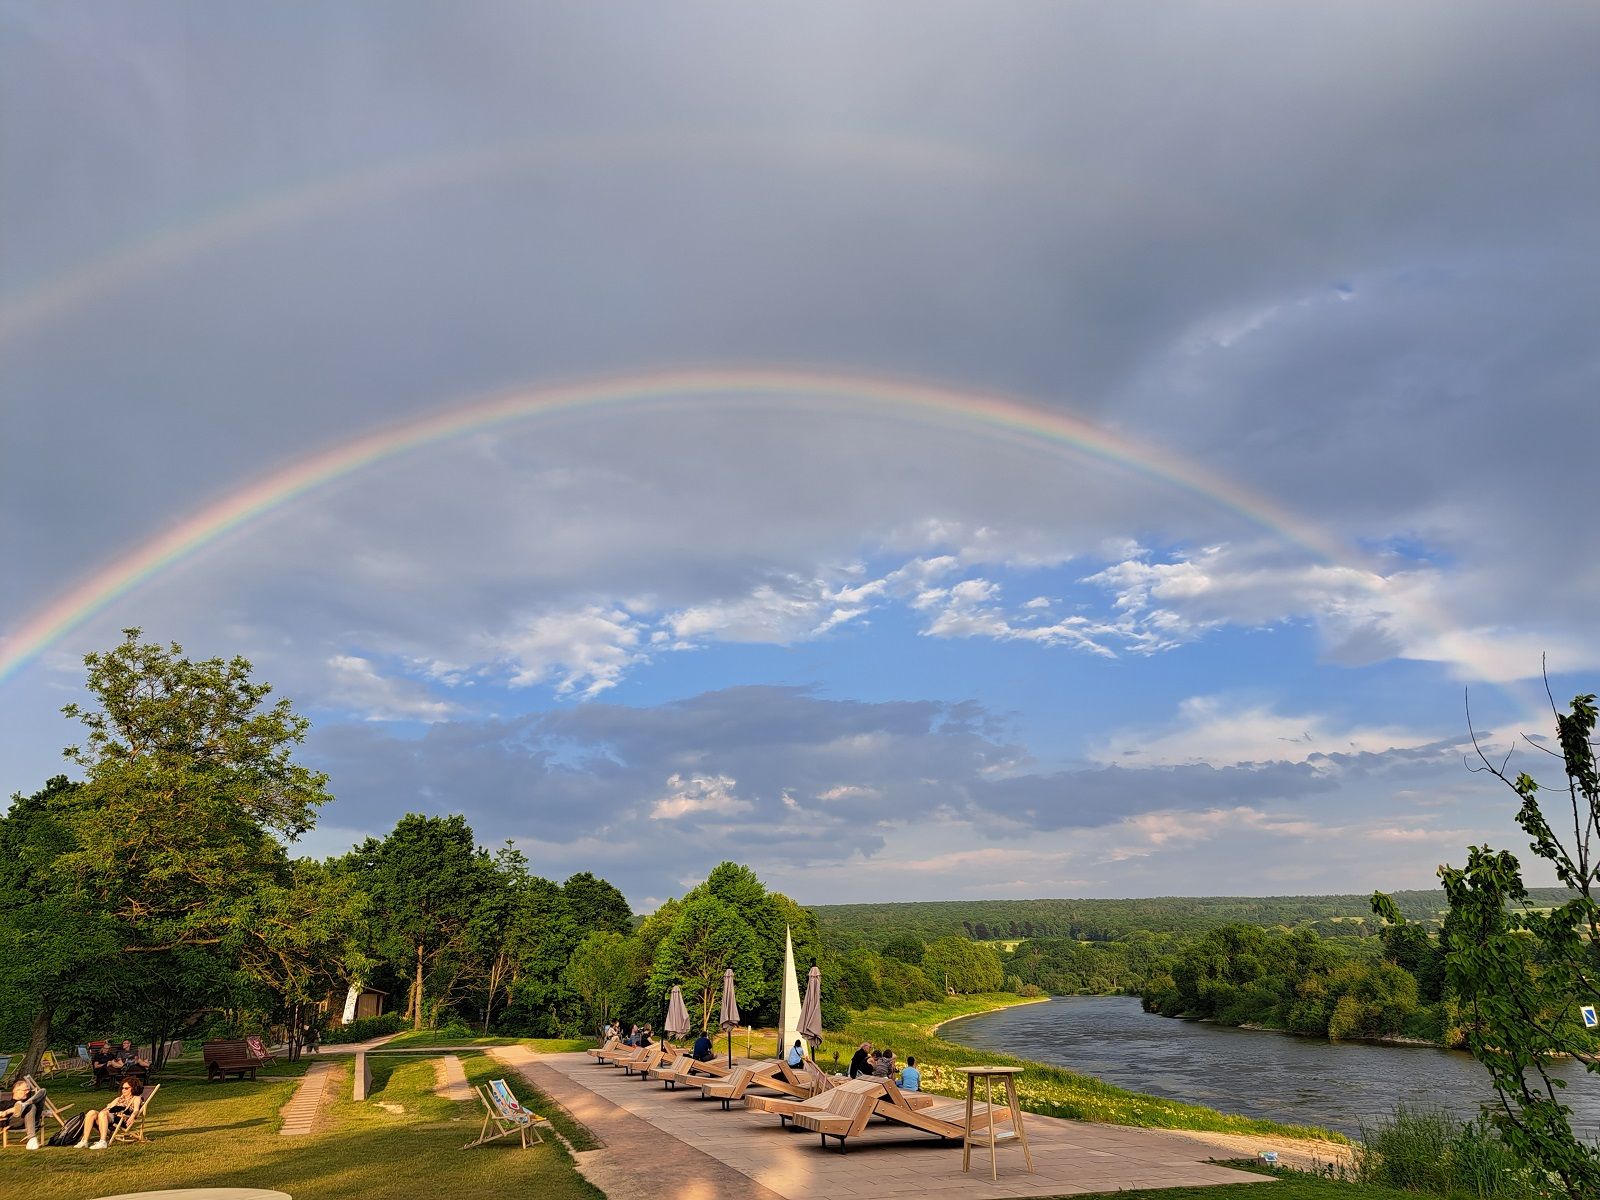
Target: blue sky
[{"x": 1339, "y": 257}]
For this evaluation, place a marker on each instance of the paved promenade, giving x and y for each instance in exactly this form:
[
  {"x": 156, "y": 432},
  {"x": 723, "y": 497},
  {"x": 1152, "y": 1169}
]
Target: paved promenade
[{"x": 668, "y": 1145}]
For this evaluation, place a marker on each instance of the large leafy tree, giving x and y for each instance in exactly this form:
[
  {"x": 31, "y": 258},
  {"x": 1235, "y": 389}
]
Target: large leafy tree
[
  {"x": 56, "y": 952},
  {"x": 708, "y": 938},
  {"x": 596, "y": 904},
  {"x": 425, "y": 880},
  {"x": 189, "y": 775},
  {"x": 603, "y": 972},
  {"x": 1522, "y": 973}
]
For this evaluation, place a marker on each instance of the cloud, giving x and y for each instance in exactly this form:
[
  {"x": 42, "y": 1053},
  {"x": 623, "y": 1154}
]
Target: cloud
[
  {"x": 356, "y": 685},
  {"x": 584, "y": 652}
]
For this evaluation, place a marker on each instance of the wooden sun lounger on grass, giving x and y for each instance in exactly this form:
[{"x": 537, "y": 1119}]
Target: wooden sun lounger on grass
[{"x": 504, "y": 1115}]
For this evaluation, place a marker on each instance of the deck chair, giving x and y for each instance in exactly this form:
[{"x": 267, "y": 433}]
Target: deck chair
[
  {"x": 845, "y": 1114},
  {"x": 132, "y": 1130},
  {"x": 504, "y": 1115},
  {"x": 51, "y": 1108}
]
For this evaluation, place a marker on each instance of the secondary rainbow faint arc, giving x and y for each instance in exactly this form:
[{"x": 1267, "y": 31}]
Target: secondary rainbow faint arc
[{"x": 923, "y": 402}]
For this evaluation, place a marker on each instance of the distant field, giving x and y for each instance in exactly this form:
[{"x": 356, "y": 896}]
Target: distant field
[{"x": 1099, "y": 920}]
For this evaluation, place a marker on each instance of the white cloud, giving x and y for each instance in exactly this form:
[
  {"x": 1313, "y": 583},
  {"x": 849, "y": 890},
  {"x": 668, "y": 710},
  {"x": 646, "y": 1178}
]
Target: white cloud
[
  {"x": 585, "y": 651},
  {"x": 1222, "y": 731},
  {"x": 699, "y": 795},
  {"x": 355, "y": 684}
]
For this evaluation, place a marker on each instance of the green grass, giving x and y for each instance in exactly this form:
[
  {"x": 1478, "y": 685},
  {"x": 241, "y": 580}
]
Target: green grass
[
  {"x": 912, "y": 1030},
  {"x": 226, "y": 1135}
]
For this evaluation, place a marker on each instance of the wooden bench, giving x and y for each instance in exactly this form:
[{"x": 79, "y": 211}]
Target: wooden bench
[{"x": 224, "y": 1058}]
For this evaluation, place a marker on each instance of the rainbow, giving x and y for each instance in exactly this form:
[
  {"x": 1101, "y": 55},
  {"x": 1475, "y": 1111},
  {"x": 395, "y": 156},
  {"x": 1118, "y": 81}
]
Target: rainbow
[
  {"x": 45, "y": 300},
  {"x": 994, "y": 416}
]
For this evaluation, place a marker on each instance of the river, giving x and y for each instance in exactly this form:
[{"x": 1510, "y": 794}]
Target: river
[{"x": 1305, "y": 1081}]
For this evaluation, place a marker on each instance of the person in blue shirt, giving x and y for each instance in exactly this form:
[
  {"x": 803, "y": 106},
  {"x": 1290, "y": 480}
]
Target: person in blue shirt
[
  {"x": 910, "y": 1078},
  {"x": 797, "y": 1054},
  {"x": 702, "y": 1048}
]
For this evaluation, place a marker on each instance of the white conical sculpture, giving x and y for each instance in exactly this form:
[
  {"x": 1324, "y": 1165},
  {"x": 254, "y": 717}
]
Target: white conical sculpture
[{"x": 789, "y": 1005}]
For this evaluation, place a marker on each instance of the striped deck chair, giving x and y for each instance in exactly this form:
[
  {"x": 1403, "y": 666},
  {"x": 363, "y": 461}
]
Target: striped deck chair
[{"x": 504, "y": 1115}]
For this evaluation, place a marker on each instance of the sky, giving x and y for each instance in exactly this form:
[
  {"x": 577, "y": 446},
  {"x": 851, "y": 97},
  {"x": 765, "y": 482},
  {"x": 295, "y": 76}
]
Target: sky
[{"x": 920, "y": 450}]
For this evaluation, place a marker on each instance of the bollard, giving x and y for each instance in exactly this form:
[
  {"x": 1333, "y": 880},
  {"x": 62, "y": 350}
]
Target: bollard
[{"x": 362, "y": 1083}]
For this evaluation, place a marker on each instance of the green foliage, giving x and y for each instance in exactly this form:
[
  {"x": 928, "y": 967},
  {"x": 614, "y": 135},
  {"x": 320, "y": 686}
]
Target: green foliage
[
  {"x": 1433, "y": 1153},
  {"x": 189, "y": 773},
  {"x": 597, "y": 905},
  {"x": 601, "y": 972},
  {"x": 963, "y": 966},
  {"x": 426, "y": 880},
  {"x": 363, "y": 1028},
  {"x": 708, "y": 938},
  {"x": 1521, "y": 971}
]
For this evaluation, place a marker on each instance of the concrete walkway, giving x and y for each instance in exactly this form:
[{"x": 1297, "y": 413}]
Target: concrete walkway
[
  {"x": 639, "y": 1160},
  {"x": 451, "y": 1080},
  {"x": 304, "y": 1110},
  {"x": 753, "y": 1156}
]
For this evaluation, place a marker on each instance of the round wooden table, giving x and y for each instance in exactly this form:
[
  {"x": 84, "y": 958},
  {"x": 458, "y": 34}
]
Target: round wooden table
[{"x": 990, "y": 1136}]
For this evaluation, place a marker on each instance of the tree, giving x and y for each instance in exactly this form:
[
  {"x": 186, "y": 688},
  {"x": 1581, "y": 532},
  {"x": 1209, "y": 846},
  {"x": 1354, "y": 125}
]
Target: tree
[
  {"x": 54, "y": 949},
  {"x": 708, "y": 938},
  {"x": 425, "y": 879},
  {"x": 1522, "y": 972},
  {"x": 964, "y": 966},
  {"x": 596, "y": 905},
  {"x": 189, "y": 776},
  {"x": 602, "y": 972}
]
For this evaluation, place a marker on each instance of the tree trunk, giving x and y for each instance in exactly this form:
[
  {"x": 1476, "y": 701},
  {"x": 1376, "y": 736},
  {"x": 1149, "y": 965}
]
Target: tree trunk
[
  {"x": 38, "y": 1039},
  {"x": 416, "y": 993}
]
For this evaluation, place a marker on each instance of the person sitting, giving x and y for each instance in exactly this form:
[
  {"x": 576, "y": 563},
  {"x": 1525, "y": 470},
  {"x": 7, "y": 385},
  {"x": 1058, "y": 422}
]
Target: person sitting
[
  {"x": 910, "y": 1079},
  {"x": 633, "y": 1035},
  {"x": 860, "y": 1062},
  {"x": 113, "y": 1116},
  {"x": 100, "y": 1064},
  {"x": 644, "y": 1036},
  {"x": 27, "y": 1102},
  {"x": 883, "y": 1065},
  {"x": 797, "y": 1055},
  {"x": 702, "y": 1048}
]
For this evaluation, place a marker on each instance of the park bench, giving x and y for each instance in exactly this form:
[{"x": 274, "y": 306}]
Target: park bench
[{"x": 224, "y": 1058}]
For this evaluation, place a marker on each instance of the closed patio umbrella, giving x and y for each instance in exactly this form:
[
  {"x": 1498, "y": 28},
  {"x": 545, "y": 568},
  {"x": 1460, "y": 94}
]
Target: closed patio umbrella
[
  {"x": 811, "y": 1009},
  {"x": 730, "y": 1012},
  {"x": 677, "y": 1014}
]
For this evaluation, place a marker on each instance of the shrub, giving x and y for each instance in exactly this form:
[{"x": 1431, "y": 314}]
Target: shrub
[
  {"x": 363, "y": 1028},
  {"x": 1429, "y": 1151}
]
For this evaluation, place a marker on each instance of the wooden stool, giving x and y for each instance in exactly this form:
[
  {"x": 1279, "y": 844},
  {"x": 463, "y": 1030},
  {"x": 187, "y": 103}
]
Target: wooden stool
[{"x": 992, "y": 1137}]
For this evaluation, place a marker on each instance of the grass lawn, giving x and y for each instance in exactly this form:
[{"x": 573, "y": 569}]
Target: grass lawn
[
  {"x": 1050, "y": 1090},
  {"x": 226, "y": 1135}
]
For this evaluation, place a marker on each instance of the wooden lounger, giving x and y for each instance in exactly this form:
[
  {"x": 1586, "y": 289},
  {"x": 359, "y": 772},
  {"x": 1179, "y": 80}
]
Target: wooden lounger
[
  {"x": 941, "y": 1117},
  {"x": 730, "y": 1088},
  {"x": 644, "y": 1062},
  {"x": 785, "y": 1107},
  {"x": 598, "y": 1052},
  {"x": 845, "y": 1114},
  {"x": 665, "y": 1065}
]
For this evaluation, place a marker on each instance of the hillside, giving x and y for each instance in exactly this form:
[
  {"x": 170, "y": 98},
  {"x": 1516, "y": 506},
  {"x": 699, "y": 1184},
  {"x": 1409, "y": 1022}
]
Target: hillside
[{"x": 1106, "y": 920}]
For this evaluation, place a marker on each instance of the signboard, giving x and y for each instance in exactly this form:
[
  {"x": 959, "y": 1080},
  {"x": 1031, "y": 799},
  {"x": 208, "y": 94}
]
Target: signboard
[{"x": 1589, "y": 1018}]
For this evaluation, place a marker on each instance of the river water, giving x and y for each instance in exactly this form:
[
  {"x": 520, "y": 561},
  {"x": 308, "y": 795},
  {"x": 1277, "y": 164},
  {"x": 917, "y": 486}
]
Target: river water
[{"x": 1308, "y": 1081}]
